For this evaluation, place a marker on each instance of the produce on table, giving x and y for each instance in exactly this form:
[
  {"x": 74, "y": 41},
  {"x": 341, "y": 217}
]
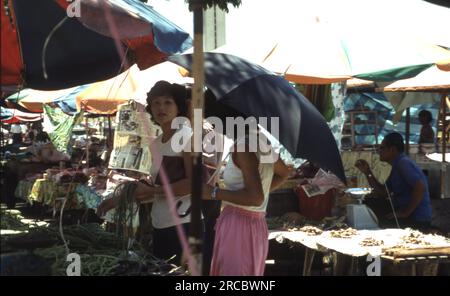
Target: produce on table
[
  {"x": 371, "y": 242},
  {"x": 344, "y": 233}
]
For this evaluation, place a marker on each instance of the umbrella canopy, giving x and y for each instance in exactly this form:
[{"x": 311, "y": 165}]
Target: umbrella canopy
[
  {"x": 33, "y": 100},
  {"x": 165, "y": 71},
  {"x": 67, "y": 103},
  {"x": 8, "y": 115},
  {"x": 321, "y": 55},
  {"x": 39, "y": 36},
  {"x": 103, "y": 97},
  {"x": 431, "y": 79},
  {"x": 251, "y": 90}
]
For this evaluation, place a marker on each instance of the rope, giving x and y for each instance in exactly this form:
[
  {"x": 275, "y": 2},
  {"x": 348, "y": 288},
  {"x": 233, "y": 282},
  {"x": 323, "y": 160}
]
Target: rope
[
  {"x": 125, "y": 212},
  {"x": 392, "y": 205},
  {"x": 61, "y": 232}
]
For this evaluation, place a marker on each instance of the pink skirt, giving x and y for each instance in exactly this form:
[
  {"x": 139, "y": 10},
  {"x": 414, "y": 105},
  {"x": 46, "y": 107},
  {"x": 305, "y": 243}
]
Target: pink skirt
[{"x": 241, "y": 243}]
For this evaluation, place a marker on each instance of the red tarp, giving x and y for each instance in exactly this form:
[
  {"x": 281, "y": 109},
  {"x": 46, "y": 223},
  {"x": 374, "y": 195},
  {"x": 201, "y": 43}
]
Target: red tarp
[{"x": 11, "y": 59}]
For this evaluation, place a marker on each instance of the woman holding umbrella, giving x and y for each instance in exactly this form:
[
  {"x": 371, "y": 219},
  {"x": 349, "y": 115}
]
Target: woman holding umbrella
[{"x": 241, "y": 242}]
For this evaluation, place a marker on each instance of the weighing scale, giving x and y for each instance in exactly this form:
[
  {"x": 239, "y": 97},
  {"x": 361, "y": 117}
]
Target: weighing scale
[{"x": 359, "y": 216}]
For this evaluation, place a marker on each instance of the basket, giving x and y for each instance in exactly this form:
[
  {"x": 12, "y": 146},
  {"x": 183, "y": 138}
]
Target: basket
[{"x": 316, "y": 207}]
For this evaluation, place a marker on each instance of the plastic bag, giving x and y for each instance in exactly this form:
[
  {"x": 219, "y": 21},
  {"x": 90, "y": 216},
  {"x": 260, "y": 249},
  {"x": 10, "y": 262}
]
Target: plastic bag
[{"x": 326, "y": 181}]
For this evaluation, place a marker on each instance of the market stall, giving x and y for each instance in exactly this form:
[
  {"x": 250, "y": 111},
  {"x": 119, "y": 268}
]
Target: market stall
[
  {"x": 52, "y": 192},
  {"x": 347, "y": 245},
  {"x": 434, "y": 79}
]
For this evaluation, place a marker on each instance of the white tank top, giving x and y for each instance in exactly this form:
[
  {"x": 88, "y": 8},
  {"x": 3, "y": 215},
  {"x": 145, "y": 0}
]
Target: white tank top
[{"x": 233, "y": 179}]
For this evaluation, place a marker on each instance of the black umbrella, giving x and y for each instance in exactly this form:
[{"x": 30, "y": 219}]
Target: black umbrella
[{"x": 252, "y": 90}]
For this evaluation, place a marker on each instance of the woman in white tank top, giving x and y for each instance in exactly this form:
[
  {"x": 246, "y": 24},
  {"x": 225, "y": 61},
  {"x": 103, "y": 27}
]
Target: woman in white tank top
[{"x": 241, "y": 242}]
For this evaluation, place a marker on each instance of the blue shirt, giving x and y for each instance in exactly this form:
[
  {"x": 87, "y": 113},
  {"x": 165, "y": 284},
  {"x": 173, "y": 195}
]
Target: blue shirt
[{"x": 404, "y": 175}]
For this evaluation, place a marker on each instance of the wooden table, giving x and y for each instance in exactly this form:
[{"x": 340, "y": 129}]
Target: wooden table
[
  {"x": 347, "y": 252},
  {"x": 310, "y": 243},
  {"x": 423, "y": 262}
]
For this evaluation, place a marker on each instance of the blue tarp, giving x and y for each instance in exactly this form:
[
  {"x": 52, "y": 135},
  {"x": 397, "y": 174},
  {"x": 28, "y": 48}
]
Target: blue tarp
[
  {"x": 378, "y": 102},
  {"x": 5, "y": 113},
  {"x": 67, "y": 103}
]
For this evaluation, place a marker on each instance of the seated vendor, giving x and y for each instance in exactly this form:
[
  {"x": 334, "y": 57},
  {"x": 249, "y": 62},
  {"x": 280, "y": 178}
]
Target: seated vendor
[
  {"x": 427, "y": 139},
  {"x": 44, "y": 151},
  {"x": 407, "y": 185},
  {"x": 94, "y": 159}
]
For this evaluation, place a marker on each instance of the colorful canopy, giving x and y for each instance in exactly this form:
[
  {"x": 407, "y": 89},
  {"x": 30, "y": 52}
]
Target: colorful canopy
[
  {"x": 319, "y": 54},
  {"x": 104, "y": 97},
  {"x": 431, "y": 79},
  {"x": 43, "y": 47},
  {"x": 8, "y": 115},
  {"x": 33, "y": 100}
]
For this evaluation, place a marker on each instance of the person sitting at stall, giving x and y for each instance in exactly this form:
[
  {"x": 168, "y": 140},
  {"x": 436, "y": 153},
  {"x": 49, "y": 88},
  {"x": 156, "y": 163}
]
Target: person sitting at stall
[
  {"x": 16, "y": 132},
  {"x": 410, "y": 196},
  {"x": 15, "y": 141},
  {"x": 33, "y": 131},
  {"x": 94, "y": 159},
  {"x": 426, "y": 132},
  {"x": 44, "y": 151},
  {"x": 426, "y": 139}
]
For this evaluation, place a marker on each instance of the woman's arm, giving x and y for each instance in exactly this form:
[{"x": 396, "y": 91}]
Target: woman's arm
[
  {"x": 252, "y": 194},
  {"x": 280, "y": 174},
  {"x": 145, "y": 192}
]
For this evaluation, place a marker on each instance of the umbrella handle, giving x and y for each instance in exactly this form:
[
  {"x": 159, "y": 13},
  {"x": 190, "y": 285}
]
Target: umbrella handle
[{"x": 217, "y": 169}]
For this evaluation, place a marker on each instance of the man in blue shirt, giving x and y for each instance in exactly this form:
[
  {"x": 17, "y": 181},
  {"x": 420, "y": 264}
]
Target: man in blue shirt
[{"x": 407, "y": 185}]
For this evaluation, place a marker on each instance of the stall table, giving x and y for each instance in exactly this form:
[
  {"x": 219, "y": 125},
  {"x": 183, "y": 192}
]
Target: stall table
[
  {"x": 349, "y": 250},
  {"x": 52, "y": 194},
  {"x": 310, "y": 243}
]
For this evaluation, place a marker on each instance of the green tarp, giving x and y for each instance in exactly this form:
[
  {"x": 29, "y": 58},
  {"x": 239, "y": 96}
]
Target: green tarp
[{"x": 59, "y": 127}]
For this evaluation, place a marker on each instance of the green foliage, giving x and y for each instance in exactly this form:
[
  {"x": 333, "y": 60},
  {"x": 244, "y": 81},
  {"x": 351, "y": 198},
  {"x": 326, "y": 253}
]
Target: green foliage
[{"x": 222, "y": 4}]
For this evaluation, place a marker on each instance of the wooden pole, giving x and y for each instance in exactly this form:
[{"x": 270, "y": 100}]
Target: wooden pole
[
  {"x": 109, "y": 140},
  {"x": 87, "y": 141},
  {"x": 407, "y": 132},
  {"x": 195, "y": 236},
  {"x": 443, "y": 114}
]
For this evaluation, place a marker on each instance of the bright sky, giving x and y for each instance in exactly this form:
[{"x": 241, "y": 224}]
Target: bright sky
[{"x": 257, "y": 19}]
